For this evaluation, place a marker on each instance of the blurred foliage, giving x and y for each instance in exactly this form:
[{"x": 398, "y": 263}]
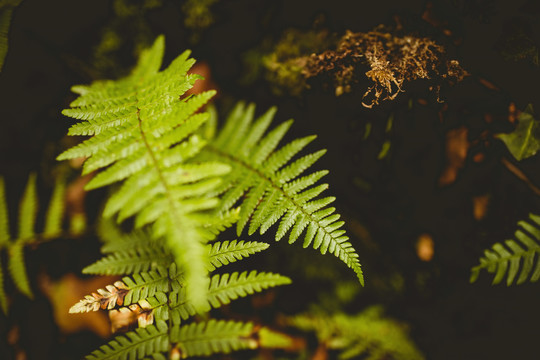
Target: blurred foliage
[
  {"x": 283, "y": 63},
  {"x": 368, "y": 334},
  {"x": 198, "y": 16},
  {"x": 518, "y": 42},
  {"x": 6, "y": 12}
]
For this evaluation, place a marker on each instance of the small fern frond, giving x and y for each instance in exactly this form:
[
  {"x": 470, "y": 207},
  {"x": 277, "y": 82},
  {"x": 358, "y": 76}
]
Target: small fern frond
[
  {"x": 28, "y": 209},
  {"x": 223, "y": 253},
  {"x": 207, "y": 338},
  {"x": 514, "y": 257},
  {"x": 268, "y": 186},
  {"x": 136, "y": 260},
  {"x": 116, "y": 240},
  {"x": 105, "y": 299},
  {"x": 145, "y": 256},
  {"x": 143, "y": 133},
  {"x": 214, "y": 224},
  {"x": 222, "y": 290},
  {"x": 227, "y": 287},
  {"x": 145, "y": 285},
  {"x": 135, "y": 344},
  {"x": 367, "y": 335},
  {"x": 132, "y": 289}
]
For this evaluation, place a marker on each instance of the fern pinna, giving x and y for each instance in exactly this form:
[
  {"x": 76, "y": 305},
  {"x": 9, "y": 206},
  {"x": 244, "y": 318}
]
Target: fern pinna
[
  {"x": 514, "y": 257},
  {"x": 155, "y": 293},
  {"x": 270, "y": 188},
  {"x": 143, "y": 131},
  {"x": 26, "y": 235}
]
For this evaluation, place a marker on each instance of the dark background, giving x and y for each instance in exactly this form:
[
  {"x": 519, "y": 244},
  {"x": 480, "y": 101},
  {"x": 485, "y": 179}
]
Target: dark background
[{"x": 448, "y": 317}]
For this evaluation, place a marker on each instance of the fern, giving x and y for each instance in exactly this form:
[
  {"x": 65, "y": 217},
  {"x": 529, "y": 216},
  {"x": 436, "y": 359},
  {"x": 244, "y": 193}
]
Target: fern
[
  {"x": 367, "y": 335},
  {"x": 158, "y": 295},
  {"x": 222, "y": 290},
  {"x": 143, "y": 133},
  {"x": 26, "y": 234},
  {"x": 6, "y": 12},
  {"x": 516, "y": 258},
  {"x": 204, "y": 339},
  {"x": 223, "y": 253},
  {"x": 143, "y": 255},
  {"x": 269, "y": 187},
  {"x": 136, "y": 344},
  {"x": 136, "y": 260}
]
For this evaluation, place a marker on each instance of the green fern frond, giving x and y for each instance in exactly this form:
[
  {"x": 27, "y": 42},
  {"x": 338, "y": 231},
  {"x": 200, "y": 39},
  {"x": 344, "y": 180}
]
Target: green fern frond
[
  {"x": 116, "y": 240},
  {"x": 135, "y": 344},
  {"x": 130, "y": 290},
  {"x": 222, "y": 290},
  {"x": 268, "y": 186},
  {"x": 196, "y": 339},
  {"x": 367, "y": 335},
  {"x": 214, "y": 224},
  {"x": 135, "y": 260},
  {"x": 28, "y": 209},
  {"x": 207, "y": 338},
  {"x": 514, "y": 258},
  {"x": 223, "y": 253},
  {"x": 146, "y": 256},
  {"x": 227, "y": 287},
  {"x": 143, "y": 134}
]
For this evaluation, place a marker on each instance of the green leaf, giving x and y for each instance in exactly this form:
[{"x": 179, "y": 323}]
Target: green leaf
[
  {"x": 524, "y": 141},
  {"x": 55, "y": 212},
  {"x": 17, "y": 268},
  {"x": 28, "y": 210},
  {"x": 3, "y": 296},
  {"x": 4, "y": 219},
  {"x": 6, "y": 12}
]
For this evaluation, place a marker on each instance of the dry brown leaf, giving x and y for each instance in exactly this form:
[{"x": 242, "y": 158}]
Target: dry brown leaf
[{"x": 68, "y": 291}]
